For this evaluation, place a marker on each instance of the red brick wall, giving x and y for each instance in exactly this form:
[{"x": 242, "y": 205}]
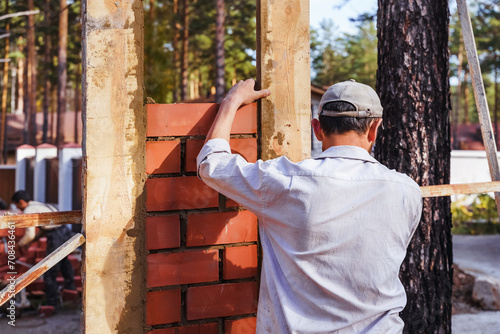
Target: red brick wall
[{"x": 202, "y": 247}]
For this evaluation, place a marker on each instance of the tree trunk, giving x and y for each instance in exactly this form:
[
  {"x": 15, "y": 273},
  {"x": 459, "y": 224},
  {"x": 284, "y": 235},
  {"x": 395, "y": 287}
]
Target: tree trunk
[
  {"x": 30, "y": 121},
  {"x": 495, "y": 105},
  {"x": 458, "y": 93},
  {"x": 219, "y": 52},
  {"x": 412, "y": 81},
  {"x": 184, "y": 56},
  {"x": 3, "y": 136},
  {"x": 20, "y": 80},
  {"x": 466, "y": 97},
  {"x": 175, "y": 46},
  {"x": 46, "y": 81},
  {"x": 61, "y": 72},
  {"x": 78, "y": 99}
]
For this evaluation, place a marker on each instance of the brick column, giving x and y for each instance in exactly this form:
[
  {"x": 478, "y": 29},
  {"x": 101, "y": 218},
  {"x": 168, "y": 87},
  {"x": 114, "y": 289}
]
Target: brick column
[{"x": 202, "y": 247}]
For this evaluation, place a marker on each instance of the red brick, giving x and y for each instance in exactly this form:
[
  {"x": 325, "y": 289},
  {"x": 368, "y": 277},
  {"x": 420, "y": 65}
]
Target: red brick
[
  {"x": 195, "y": 119},
  {"x": 163, "y": 307},
  {"x": 210, "y": 328},
  {"x": 241, "y": 326},
  {"x": 163, "y": 157},
  {"x": 40, "y": 252},
  {"x": 78, "y": 281},
  {"x": 69, "y": 295},
  {"x": 179, "y": 193},
  {"x": 46, "y": 310},
  {"x": 221, "y": 300},
  {"x": 231, "y": 204},
  {"x": 36, "y": 285},
  {"x": 42, "y": 243},
  {"x": 163, "y": 232},
  {"x": 240, "y": 262},
  {"x": 183, "y": 268},
  {"x": 221, "y": 228},
  {"x": 246, "y": 147}
]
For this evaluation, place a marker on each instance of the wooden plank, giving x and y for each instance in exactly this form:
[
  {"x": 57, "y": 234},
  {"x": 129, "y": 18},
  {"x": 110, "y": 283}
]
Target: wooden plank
[
  {"x": 41, "y": 219},
  {"x": 41, "y": 267},
  {"x": 283, "y": 67},
  {"x": 456, "y": 189},
  {"x": 114, "y": 139},
  {"x": 480, "y": 95}
]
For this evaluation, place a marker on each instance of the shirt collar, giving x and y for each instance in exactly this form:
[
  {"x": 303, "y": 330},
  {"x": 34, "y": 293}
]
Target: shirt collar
[{"x": 347, "y": 152}]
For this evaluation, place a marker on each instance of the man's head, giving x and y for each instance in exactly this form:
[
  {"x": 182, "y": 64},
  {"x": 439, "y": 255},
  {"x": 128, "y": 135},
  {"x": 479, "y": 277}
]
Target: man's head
[
  {"x": 349, "y": 108},
  {"x": 21, "y": 198}
]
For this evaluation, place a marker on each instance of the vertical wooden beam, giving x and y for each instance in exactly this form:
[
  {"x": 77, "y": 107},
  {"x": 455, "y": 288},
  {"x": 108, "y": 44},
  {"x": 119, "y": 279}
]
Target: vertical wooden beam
[
  {"x": 480, "y": 95},
  {"x": 114, "y": 166},
  {"x": 283, "y": 66}
]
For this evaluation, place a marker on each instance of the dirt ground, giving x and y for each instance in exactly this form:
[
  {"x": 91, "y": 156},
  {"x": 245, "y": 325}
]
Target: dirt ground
[{"x": 64, "y": 322}]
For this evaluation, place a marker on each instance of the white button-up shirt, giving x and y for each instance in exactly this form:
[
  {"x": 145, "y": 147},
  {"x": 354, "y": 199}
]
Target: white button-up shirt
[{"x": 334, "y": 232}]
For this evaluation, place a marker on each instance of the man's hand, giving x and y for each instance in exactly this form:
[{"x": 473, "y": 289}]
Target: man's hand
[
  {"x": 244, "y": 93},
  {"x": 241, "y": 94}
]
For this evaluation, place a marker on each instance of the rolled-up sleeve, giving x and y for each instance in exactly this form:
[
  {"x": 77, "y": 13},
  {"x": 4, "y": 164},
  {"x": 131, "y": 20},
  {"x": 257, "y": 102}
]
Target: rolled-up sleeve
[{"x": 231, "y": 175}]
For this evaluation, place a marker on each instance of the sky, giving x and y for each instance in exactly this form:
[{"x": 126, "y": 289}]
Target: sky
[{"x": 324, "y": 9}]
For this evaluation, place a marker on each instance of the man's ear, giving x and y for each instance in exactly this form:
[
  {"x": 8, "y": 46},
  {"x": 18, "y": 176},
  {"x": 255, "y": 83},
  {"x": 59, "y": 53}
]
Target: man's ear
[
  {"x": 372, "y": 131},
  {"x": 317, "y": 129}
]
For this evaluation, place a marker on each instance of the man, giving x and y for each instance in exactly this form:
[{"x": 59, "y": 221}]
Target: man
[
  {"x": 56, "y": 236},
  {"x": 334, "y": 230}
]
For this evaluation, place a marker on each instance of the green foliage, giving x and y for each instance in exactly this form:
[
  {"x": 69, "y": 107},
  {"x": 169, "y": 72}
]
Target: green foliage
[
  {"x": 475, "y": 215},
  {"x": 350, "y": 56},
  {"x": 162, "y": 75}
]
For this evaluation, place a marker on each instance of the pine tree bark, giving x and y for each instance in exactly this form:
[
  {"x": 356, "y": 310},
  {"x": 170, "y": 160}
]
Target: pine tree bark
[
  {"x": 412, "y": 81},
  {"x": 466, "y": 96},
  {"x": 184, "y": 53},
  {"x": 30, "y": 106},
  {"x": 46, "y": 81},
  {"x": 219, "y": 51},
  {"x": 175, "y": 46},
  {"x": 20, "y": 79},
  {"x": 62, "y": 71},
  {"x": 3, "y": 136}
]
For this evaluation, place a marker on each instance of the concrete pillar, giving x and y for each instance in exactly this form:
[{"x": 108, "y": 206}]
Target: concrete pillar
[
  {"x": 66, "y": 154},
  {"x": 43, "y": 152},
  {"x": 23, "y": 153}
]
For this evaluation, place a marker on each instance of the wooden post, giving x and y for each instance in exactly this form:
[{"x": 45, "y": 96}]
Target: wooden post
[
  {"x": 114, "y": 136},
  {"x": 283, "y": 66},
  {"x": 480, "y": 95},
  {"x": 41, "y": 267}
]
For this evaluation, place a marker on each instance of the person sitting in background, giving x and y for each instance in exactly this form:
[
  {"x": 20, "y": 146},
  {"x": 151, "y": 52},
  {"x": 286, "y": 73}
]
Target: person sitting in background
[{"x": 56, "y": 236}]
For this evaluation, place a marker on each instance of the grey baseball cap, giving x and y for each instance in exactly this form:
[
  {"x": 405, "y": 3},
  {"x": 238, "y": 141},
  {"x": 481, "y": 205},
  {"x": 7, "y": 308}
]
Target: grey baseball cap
[{"x": 361, "y": 96}]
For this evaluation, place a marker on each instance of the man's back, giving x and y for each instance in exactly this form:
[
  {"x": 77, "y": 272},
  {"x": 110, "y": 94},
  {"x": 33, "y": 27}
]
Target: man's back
[{"x": 334, "y": 231}]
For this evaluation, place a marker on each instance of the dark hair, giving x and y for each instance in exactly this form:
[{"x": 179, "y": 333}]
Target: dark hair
[
  {"x": 3, "y": 204},
  {"x": 21, "y": 195},
  {"x": 341, "y": 125}
]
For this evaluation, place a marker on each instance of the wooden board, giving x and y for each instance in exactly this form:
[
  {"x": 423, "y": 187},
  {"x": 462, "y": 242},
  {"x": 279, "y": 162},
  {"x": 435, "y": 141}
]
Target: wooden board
[
  {"x": 41, "y": 219},
  {"x": 479, "y": 95},
  {"x": 456, "y": 189},
  {"x": 114, "y": 136},
  {"x": 283, "y": 66},
  {"x": 41, "y": 267}
]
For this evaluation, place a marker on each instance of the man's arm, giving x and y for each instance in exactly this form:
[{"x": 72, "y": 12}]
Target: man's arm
[{"x": 241, "y": 94}]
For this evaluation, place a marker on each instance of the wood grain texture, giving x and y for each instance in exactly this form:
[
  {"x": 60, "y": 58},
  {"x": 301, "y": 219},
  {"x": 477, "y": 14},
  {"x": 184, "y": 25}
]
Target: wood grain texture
[
  {"x": 41, "y": 219},
  {"x": 463, "y": 189},
  {"x": 114, "y": 136},
  {"x": 41, "y": 267},
  {"x": 283, "y": 67},
  {"x": 480, "y": 95}
]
